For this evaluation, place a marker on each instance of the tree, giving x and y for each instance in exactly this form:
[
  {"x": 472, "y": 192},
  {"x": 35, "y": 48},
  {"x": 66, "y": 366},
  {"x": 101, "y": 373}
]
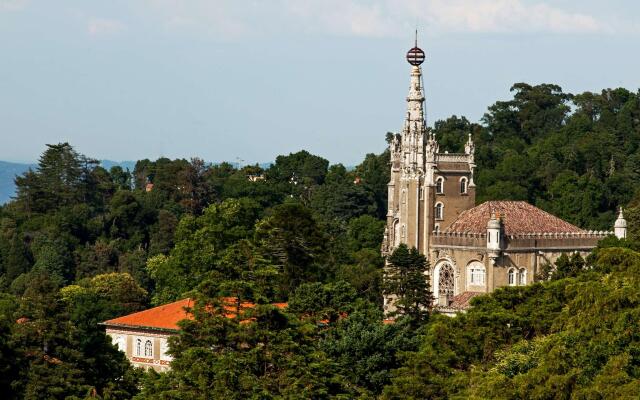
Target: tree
[
  {"x": 292, "y": 239},
  {"x": 299, "y": 168},
  {"x": 262, "y": 353},
  {"x": 405, "y": 278}
]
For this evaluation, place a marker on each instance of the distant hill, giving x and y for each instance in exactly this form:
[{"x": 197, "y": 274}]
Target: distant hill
[{"x": 9, "y": 170}]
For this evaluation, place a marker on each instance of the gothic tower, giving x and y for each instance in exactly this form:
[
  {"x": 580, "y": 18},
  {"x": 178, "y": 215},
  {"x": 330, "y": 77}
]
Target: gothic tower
[{"x": 427, "y": 189}]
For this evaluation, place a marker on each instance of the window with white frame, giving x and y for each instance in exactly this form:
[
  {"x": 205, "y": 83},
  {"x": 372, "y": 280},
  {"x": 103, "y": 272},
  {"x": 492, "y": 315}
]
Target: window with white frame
[
  {"x": 439, "y": 211},
  {"x": 522, "y": 276},
  {"x": 512, "y": 277},
  {"x": 440, "y": 185},
  {"x": 476, "y": 274},
  {"x": 437, "y": 228},
  {"x": 463, "y": 185},
  {"x": 148, "y": 348}
]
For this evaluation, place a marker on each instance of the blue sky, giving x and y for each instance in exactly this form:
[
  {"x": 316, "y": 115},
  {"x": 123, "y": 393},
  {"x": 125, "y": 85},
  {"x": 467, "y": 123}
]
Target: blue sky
[{"x": 248, "y": 79}]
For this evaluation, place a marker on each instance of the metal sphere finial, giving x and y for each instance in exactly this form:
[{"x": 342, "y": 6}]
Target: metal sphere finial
[{"x": 416, "y": 56}]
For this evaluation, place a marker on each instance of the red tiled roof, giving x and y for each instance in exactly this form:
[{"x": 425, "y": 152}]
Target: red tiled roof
[
  {"x": 167, "y": 316},
  {"x": 461, "y": 301},
  {"x": 518, "y": 217}
]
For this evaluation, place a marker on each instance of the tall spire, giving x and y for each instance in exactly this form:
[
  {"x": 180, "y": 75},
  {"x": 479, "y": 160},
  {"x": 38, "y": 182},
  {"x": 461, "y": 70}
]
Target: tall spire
[{"x": 415, "y": 99}]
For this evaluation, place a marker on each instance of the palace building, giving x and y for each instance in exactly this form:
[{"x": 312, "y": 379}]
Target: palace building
[{"x": 470, "y": 249}]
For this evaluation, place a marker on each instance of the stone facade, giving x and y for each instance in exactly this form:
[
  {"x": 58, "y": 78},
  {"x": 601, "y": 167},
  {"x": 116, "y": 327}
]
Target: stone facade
[
  {"x": 145, "y": 348},
  {"x": 471, "y": 250}
]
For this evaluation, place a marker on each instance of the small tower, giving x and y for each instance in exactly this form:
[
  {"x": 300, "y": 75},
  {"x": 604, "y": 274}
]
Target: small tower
[
  {"x": 620, "y": 227},
  {"x": 494, "y": 237}
]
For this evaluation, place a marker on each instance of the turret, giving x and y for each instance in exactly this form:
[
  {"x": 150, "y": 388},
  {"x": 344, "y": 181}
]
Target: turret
[
  {"x": 620, "y": 227},
  {"x": 494, "y": 237}
]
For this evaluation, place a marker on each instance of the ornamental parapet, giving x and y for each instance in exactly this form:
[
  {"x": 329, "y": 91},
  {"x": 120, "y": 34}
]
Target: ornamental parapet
[
  {"x": 564, "y": 240},
  {"x": 466, "y": 239},
  {"x": 558, "y": 240},
  {"x": 453, "y": 157}
]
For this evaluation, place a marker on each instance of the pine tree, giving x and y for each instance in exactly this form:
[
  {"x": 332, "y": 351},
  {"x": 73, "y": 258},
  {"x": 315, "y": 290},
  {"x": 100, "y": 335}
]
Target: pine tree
[{"x": 406, "y": 278}]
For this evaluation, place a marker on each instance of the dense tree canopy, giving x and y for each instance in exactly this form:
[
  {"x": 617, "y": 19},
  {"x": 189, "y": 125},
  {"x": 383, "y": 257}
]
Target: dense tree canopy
[{"x": 80, "y": 245}]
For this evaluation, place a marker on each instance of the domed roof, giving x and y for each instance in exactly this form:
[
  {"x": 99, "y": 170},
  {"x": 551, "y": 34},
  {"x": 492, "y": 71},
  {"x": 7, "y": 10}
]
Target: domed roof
[{"x": 620, "y": 222}]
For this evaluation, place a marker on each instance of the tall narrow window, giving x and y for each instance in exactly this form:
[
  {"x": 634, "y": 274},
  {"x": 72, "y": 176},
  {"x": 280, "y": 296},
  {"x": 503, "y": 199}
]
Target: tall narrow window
[
  {"x": 463, "y": 185},
  {"x": 476, "y": 274},
  {"x": 148, "y": 349},
  {"x": 139, "y": 347},
  {"x": 522, "y": 276},
  {"x": 512, "y": 277},
  {"x": 439, "y": 211},
  {"x": 440, "y": 185}
]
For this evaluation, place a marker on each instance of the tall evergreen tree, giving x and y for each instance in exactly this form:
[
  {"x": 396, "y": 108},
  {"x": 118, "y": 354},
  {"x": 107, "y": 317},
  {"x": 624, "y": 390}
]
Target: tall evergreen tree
[{"x": 406, "y": 278}]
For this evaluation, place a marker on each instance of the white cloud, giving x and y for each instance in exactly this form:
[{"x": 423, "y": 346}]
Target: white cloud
[
  {"x": 103, "y": 26},
  {"x": 12, "y": 5},
  {"x": 381, "y": 18},
  {"x": 506, "y": 16}
]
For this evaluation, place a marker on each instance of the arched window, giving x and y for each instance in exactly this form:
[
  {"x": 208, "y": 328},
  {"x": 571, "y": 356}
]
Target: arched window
[
  {"x": 148, "y": 349},
  {"x": 439, "y": 211},
  {"x": 512, "y": 277},
  {"x": 522, "y": 276},
  {"x": 463, "y": 185},
  {"x": 446, "y": 281},
  {"x": 440, "y": 185},
  {"x": 437, "y": 228},
  {"x": 476, "y": 273},
  {"x": 139, "y": 347}
]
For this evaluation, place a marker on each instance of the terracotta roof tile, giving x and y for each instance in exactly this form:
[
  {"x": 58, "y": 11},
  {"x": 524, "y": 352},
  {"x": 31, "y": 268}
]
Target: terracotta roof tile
[
  {"x": 518, "y": 217},
  {"x": 462, "y": 300},
  {"x": 167, "y": 316}
]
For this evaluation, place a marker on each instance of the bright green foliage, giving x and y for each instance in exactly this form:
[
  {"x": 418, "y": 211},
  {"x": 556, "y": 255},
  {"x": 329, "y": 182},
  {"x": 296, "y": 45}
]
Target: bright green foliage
[{"x": 568, "y": 338}]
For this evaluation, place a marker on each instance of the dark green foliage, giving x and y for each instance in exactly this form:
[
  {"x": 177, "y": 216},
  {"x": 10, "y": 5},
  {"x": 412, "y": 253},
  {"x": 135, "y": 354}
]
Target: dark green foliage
[
  {"x": 366, "y": 350},
  {"x": 301, "y": 168},
  {"x": 272, "y": 356},
  {"x": 406, "y": 278},
  {"x": 81, "y": 244},
  {"x": 292, "y": 239},
  {"x": 579, "y": 165}
]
